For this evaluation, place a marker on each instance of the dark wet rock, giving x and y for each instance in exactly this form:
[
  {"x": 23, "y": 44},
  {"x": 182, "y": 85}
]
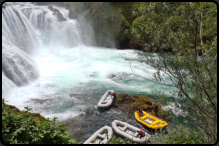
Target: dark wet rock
[
  {"x": 119, "y": 75},
  {"x": 123, "y": 44},
  {"x": 40, "y": 101},
  {"x": 78, "y": 96},
  {"x": 56, "y": 13},
  {"x": 111, "y": 76}
]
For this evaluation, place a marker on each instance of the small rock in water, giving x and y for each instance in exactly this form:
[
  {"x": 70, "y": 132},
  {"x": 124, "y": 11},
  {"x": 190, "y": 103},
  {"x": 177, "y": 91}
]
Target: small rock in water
[
  {"x": 111, "y": 76},
  {"x": 40, "y": 101},
  {"x": 78, "y": 96}
]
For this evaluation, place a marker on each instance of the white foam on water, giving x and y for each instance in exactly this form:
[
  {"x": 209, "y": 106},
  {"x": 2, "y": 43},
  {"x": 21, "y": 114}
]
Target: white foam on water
[{"x": 176, "y": 110}]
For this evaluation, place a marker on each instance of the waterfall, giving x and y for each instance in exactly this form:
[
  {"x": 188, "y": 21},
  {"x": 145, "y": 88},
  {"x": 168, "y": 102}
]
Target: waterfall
[
  {"x": 17, "y": 28},
  {"x": 55, "y": 29},
  {"x": 26, "y": 29},
  {"x": 7, "y": 84},
  {"x": 17, "y": 65}
]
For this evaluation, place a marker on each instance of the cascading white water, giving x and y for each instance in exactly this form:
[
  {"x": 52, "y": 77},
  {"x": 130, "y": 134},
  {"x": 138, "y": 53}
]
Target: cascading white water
[
  {"x": 66, "y": 67},
  {"x": 6, "y": 84},
  {"x": 16, "y": 64},
  {"x": 18, "y": 40},
  {"x": 24, "y": 36},
  {"x": 18, "y": 29},
  {"x": 54, "y": 31}
]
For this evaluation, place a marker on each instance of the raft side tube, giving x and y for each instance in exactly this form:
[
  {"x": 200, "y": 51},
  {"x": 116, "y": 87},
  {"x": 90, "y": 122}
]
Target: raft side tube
[
  {"x": 130, "y": 132},
  {"x": 106, "y": 100},
  {"x": 100, "y": 136}
]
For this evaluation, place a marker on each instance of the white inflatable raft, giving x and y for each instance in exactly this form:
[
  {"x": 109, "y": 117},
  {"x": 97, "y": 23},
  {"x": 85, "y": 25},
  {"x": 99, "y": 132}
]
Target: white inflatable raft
[
  {"x": 128, "y": 131},
  {"x": 106, "y": 100},
  {"x": 100, "y": 136}
]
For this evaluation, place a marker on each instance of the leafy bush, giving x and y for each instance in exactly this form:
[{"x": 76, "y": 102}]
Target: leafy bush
[
  {"x": 179, "y": 135},
  {"x": 119, "y": 140},
  {"x": 25, "y": 128}
]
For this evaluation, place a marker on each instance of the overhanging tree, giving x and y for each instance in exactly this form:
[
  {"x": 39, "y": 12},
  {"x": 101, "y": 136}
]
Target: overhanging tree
[{"x": 189, "y": 32}]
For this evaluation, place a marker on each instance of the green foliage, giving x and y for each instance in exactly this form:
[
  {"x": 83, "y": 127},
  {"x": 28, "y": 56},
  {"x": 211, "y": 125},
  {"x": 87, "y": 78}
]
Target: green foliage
[
  {"x": 137, "y": 21},
  {"x": 27, "y": 129},
  {"x": 119, "y": 140},
  {"x": 178, "y": 135},
  {"x": 163, "y": 25},
  {"x": 189, "y": 32}
]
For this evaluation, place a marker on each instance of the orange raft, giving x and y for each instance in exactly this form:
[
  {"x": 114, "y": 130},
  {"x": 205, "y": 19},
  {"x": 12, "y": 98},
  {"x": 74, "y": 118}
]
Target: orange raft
[{"x": 150, "y": 121}]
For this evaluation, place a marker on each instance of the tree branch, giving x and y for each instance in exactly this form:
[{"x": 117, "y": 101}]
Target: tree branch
[
  {"x": 201, "y": 29},
  {"x": 149, "y": 79}
]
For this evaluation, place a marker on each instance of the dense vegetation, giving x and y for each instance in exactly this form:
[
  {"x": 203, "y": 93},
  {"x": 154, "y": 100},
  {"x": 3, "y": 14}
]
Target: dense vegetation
[
  {"x": 189, "y": 31},
  {"x": 23, "y": 127}
]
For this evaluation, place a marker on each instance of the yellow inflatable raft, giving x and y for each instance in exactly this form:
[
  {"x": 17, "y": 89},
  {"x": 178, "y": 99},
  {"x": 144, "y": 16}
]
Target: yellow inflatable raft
[{"x": 150, "y": 121}]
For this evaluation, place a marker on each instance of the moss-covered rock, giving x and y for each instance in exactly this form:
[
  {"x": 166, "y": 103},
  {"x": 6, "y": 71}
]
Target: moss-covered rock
[
  {"x": 37, "y": 115},
  {"x": 124, "y": 97},
  {"x": 119, "y": 99},
  {"x": 131, "y": 102},
  {"x": 14, "y": 109},
  {"x": 17, "y": 111}
]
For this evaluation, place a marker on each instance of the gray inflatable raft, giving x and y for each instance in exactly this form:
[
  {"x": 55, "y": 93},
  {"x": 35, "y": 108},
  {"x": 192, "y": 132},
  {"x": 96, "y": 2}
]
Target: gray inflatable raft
[
  {"x": 106, "y": 100},
  {"x": 100, "y": 136},
  {"x": 128, "y": 131}
]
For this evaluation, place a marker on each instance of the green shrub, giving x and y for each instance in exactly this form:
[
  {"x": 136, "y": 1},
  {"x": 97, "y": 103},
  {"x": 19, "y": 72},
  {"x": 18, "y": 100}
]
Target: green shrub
[
  {"x": 178, "y": 135},
  {"x": 119, "y": 140},
  {"x": 25, "y": 128}
]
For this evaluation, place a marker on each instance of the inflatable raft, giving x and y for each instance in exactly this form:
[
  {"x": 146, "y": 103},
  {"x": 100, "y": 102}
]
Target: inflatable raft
[
  {"x": 128, "y": 131},
  {"x": 103, "y": 135},
  {"x": 107, "y": 99},
  {"x": 150, "y": 121}
]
